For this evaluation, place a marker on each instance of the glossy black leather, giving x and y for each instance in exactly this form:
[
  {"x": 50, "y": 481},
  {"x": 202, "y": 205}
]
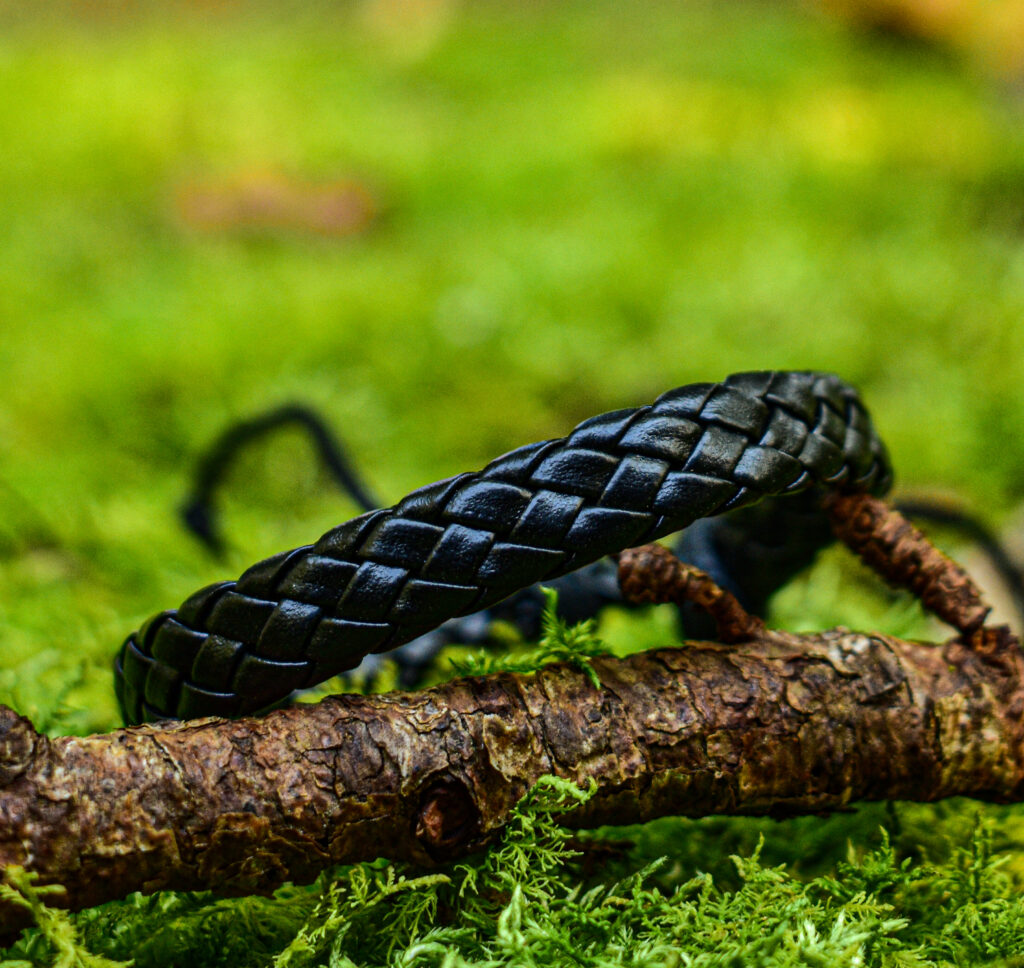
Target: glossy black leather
[{"x": 541, "y": 511}]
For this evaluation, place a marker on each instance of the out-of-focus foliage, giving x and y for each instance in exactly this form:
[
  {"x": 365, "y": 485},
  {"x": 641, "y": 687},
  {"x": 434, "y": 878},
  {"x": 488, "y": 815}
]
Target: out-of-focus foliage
[
  {"x": 575, "y": 210},
  {"x": 548, "y": 210}
]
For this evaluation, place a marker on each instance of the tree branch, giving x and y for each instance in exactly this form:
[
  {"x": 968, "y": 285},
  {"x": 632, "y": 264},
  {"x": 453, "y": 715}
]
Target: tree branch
[
  {"x": 782, "y": 724},
  {"x": 774, "y": 723}
]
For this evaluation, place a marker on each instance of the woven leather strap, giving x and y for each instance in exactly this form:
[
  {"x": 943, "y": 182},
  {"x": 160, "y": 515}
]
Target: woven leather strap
[{"x": 457, "y": 546}]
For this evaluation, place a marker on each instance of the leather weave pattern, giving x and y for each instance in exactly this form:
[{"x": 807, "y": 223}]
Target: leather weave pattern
[{"x": 459, "y": 545}]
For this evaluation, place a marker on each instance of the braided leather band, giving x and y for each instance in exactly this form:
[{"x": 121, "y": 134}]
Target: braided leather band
[{"x": 457, "y": 546}]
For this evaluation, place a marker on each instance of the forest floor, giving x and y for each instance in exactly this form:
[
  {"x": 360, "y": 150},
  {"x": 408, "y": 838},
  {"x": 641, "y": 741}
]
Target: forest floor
[{"x": 456, "y": 229}]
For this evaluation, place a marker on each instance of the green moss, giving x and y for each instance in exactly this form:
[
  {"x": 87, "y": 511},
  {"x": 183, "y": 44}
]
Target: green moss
[
  {"x": 560, "y": 641},
  {"x": 55, "y": 939}
]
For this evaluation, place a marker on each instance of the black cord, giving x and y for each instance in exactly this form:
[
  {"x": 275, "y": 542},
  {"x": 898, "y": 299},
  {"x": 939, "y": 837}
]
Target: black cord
[{"x": 199, "y": 512}]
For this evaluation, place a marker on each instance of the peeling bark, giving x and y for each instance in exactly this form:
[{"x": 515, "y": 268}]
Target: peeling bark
[{"x": 781, "y": 724}]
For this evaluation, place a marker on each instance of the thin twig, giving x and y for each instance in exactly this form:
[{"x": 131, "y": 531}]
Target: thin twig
[
  {"x": 651, "y": 573},
  {"x": 892, "y": 546}
]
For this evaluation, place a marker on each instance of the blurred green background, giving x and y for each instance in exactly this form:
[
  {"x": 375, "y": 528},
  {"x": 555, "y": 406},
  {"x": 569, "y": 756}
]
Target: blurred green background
[{"x": 534, "y": 212}]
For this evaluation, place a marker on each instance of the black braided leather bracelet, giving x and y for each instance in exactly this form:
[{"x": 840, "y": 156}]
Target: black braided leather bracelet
[{"x": 460, "y": 545}]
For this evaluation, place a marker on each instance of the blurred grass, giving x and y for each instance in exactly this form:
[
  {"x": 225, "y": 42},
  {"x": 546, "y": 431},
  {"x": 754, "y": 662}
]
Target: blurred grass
[{"x": 583, "y": 207}]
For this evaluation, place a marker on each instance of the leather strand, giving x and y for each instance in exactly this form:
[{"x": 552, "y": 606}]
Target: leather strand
[{"x": 460, "y": 545}]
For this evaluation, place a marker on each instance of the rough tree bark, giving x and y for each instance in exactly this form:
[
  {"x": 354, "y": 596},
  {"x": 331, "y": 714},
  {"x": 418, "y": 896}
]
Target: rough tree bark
[{"x": 772, "y": 723}]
